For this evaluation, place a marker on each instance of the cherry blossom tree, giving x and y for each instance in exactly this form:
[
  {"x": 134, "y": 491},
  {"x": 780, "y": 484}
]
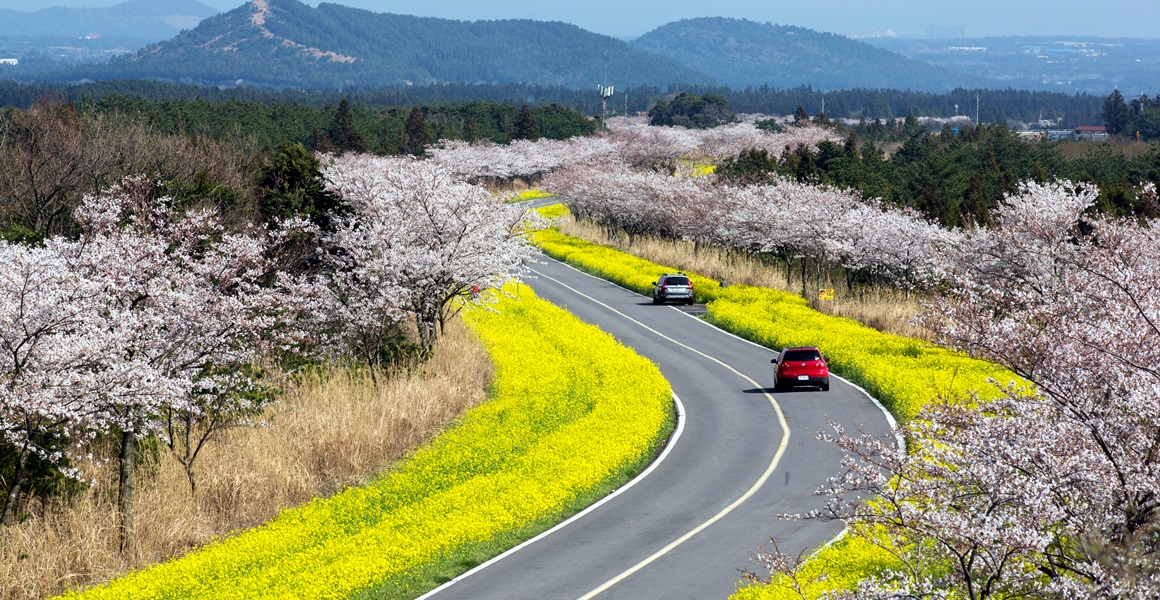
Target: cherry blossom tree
[
  {"x": 620, "y": 198},
  {"x": 632, "y": 141},
  {"x": 896, "y": 246},
  {"x": 419, "y": 241},
  {"x": 153, "y": 321},
  {"x": 1053, "y": 488},
  {"x": 484, "y": 161},
  {"x": 160, "y": 321},
  {"x": 55, "y": 346},
  {"x": 191, "y": 302},
  {"x": 643, "y": 145}
]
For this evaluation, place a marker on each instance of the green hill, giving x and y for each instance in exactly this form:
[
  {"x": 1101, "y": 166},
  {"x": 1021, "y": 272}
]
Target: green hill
[
  {"x": 286, "y": 43},
  {"x": 740, "y": 53}
]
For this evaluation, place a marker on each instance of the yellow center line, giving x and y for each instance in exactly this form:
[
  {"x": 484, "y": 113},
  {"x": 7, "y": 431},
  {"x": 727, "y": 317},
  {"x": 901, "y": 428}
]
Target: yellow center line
[{"x": 728, "y": 509}]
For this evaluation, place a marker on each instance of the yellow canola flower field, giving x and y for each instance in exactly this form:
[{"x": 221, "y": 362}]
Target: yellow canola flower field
[
  {"x": 530, "y": 195},
  {"x": 839, "y": 566},
  {"x": 571, "y": 411}
]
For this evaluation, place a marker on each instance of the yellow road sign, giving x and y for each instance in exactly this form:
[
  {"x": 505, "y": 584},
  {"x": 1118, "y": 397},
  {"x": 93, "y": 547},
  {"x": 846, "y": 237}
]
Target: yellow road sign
[{"x": 826, "y": 294}]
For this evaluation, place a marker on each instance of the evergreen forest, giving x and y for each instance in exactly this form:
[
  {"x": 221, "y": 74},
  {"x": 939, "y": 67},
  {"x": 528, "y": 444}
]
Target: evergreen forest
[{"x": 990, "y": 106}]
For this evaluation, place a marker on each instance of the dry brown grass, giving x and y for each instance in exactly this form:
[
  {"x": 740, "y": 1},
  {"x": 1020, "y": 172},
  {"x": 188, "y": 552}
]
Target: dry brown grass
[
  {"x": 332, "y": 429},
  {"x": 884, "y": 309}
]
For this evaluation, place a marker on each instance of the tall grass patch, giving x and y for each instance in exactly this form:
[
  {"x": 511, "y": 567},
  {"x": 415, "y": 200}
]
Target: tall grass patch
[{"x": 332, "y": 429}]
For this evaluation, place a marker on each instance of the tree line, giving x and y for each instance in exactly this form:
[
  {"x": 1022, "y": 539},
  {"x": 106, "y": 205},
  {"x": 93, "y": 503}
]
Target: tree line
[
  {"x": 349, "y": 126},
  {"x": 993, "y": 106},
  {"x": 1138, "y": 119},
  {"x": 959, "y": 178}
]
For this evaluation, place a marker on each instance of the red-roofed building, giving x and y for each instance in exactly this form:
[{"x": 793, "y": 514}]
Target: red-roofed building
[{"x": 1091, "y": 132}]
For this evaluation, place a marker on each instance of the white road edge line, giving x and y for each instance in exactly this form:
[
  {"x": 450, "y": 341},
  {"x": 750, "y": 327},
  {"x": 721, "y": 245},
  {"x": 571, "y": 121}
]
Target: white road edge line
[{"x": 620, "y": 490}]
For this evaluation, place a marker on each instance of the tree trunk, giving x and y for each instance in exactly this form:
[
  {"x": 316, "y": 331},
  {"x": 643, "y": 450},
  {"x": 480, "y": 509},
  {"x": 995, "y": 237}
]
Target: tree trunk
[
  {"x": 125, "y": 495},
  {"x": 13, "y": 494},
  {"x": 192, "y": 484},
  {"x": 190, "y": 454},
  {"x": 804, "y": 278},
  {"x": 427, "y": 326}
]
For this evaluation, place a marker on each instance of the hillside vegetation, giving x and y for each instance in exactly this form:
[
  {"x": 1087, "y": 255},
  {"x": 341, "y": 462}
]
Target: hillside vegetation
[{"x": 741, "y": 53}]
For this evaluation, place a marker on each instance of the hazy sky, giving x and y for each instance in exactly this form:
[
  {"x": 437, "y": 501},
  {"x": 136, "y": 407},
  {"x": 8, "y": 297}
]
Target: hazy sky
[{"x": 911, "y": 18}]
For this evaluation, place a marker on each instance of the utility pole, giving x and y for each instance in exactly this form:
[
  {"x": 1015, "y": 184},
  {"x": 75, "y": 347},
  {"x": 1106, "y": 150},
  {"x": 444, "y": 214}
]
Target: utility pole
[
  {"x": 976, "y": 109},
  {"x": 605, "y": 94}
]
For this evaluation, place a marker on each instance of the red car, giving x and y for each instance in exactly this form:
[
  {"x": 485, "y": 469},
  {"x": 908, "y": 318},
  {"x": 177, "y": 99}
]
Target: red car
[{"x": 801, "y": 366}]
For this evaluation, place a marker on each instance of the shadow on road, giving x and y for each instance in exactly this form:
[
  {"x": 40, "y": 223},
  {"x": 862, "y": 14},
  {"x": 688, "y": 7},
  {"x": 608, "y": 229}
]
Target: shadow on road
[{"x": 769, "y": 390}]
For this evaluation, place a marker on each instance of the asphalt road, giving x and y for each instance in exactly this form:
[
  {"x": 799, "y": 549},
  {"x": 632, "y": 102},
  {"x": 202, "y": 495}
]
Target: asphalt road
[{"x": 688, "y": 527}]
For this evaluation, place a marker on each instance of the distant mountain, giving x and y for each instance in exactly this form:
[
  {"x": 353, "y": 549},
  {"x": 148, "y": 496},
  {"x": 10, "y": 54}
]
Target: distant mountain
[
  {"x": 740, "y": 53},
  {"x": 143, "y": 21},
  {"x": 286, "y": 43}
]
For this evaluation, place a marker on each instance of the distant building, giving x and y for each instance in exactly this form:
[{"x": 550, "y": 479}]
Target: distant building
[
  {"x": 879, "y": 33},
  {"x": 1091, "y": 132},
  {"x": 9, "y": 61}
]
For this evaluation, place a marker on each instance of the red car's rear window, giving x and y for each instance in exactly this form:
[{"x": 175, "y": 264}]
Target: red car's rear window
[{"x": 802, "y": 355}]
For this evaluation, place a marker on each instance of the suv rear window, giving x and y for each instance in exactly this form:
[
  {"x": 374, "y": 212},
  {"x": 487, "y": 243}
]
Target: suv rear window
[
  {"x": 676, "y": 281},
  {"x": 802, "y": 355}
]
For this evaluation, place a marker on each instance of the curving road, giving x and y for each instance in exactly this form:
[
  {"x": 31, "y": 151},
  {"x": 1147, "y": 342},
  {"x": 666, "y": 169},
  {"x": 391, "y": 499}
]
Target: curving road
[{"x": 685, "y": 529}]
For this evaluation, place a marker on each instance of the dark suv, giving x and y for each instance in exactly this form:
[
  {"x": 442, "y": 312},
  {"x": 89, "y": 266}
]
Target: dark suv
[
  {"x": 801, "y": 366},
  {"x": 675, "y": 286}
]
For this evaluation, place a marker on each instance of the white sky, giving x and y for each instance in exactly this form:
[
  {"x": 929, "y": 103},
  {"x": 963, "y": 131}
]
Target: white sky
[{"x": 1129, "y": 18}]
